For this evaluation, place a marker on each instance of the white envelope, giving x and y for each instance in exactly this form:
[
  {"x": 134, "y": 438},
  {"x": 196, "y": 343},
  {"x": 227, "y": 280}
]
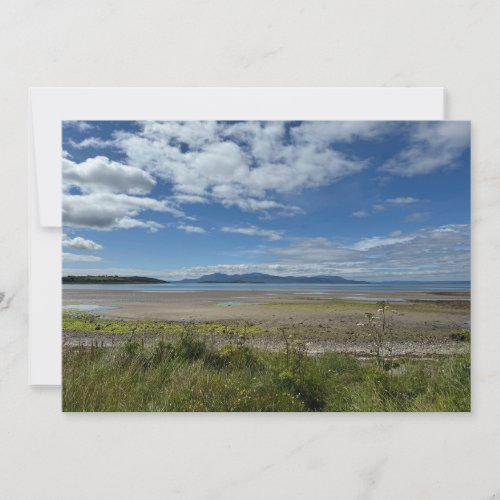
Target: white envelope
[{"x": 51, "y": 106}]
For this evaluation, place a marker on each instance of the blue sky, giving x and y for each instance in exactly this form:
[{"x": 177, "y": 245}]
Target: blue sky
[{"x": 363, "y": 200}]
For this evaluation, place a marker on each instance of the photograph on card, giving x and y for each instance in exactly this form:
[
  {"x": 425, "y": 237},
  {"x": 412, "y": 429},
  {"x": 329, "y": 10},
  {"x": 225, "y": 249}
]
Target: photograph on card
[{"x": 266, "y": 266}]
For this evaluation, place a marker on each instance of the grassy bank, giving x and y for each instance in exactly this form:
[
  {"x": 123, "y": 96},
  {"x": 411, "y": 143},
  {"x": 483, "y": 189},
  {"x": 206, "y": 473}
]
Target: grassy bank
[{"x": 192, "y": 375}]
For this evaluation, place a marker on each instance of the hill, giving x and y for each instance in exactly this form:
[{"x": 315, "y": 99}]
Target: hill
[
  {"x": 109, "y": 280},
  {"x": 268, "y": 278}
]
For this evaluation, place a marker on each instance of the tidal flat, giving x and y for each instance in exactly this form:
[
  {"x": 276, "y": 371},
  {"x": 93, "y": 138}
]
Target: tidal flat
[{"x": 421, "y": 323}]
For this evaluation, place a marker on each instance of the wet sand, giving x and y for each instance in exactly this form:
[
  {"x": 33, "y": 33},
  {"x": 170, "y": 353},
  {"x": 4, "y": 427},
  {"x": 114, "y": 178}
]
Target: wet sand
[
  {"x": 422, "y": 322},
  {"x": 248, "y": 305}
]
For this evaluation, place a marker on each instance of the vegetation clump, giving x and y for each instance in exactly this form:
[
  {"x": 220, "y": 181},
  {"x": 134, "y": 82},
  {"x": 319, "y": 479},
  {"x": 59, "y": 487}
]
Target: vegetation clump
[
  {"x": 379, "y": 331},
  {"x": 463, "y": 336}
]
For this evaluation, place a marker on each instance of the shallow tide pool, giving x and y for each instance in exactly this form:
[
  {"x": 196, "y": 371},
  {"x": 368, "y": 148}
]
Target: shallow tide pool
[
  {"x": 237, "y": 303},
  {"x": 88, "y": 307},
  {"x": 373, "y": 299}
]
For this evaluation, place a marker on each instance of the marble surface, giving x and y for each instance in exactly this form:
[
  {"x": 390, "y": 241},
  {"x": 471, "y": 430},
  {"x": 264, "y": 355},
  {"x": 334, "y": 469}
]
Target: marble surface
[{"x": 45, "y": 454}]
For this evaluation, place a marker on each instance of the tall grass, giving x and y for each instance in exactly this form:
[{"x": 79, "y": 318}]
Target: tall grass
[{"x": 192, "y": 375}]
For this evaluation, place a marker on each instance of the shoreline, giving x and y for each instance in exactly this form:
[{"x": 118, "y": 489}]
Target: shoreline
[{"x": 423, "y": 323}]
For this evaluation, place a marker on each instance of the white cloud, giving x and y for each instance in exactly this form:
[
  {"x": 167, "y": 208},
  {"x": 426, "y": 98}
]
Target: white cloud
[
  {"x": 432, "y": 146},
  {"x": 110, "y": 196},
  {"x": 190, "y": 198},
  {"x": 378, "y": 241},
  {"x": 452, "y": 228},
  {"x": 418, "y": 217},
  {"x": 248, "y": 165},
  {"x": 360, "y": 213},
  {"x": 73, "y": 257},
  {"x": 255, "y": 205},
  {"x": 378, "y": 207},
  {"x": 80, "y": 125},
  {"x": 191, "y": 229},
  {"x": 92, "y": 142},
  {"x": 402, "y": 200},
  {"x": 270, "y": 234},
  {"x": 101, "y": 175},
  {"x": 130, "y": 223},
  {"x": 105, "y": 211},
  {"x": 80, "y": 243},
  {"x": 339, "y": 131}
]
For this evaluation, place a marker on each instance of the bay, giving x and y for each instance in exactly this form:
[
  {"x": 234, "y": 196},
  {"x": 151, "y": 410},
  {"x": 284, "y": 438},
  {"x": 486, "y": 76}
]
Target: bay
[{"x": 307, "y": 288}]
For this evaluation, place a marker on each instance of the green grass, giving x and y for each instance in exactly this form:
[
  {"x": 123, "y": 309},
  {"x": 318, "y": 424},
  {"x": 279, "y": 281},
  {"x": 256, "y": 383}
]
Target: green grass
[
  {"x": 83, "y": 322},
  {"x": 191, "y": 375}
]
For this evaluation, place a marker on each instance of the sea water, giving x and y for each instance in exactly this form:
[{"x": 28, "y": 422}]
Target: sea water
[{"x": 306, "y": 288}]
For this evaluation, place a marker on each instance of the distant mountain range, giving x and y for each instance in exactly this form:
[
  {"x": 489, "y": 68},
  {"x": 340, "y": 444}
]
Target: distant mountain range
[
  {"x": 268, "y": 278},
  {"x": 239, "y": 278}
]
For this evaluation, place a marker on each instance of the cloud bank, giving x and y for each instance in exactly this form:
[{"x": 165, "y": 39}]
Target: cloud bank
[
  {"x": 249, "y": 165},
  {"x": 434, "y": 253}
]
